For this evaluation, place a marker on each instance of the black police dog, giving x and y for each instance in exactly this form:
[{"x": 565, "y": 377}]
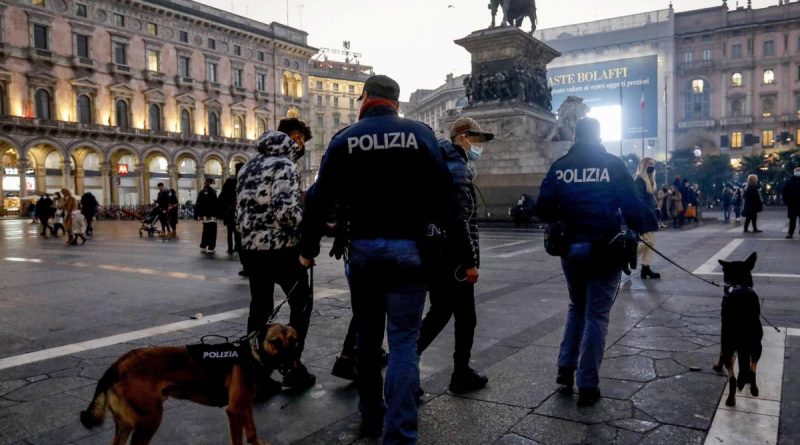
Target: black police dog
[{"x": 741, "y": 326}]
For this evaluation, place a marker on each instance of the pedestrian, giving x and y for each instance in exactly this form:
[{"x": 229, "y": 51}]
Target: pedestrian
[
  {"x": 227, "y": 203},
  {"x": 57, "y": 214},
  {"x": 79, "y": 226},
  {"x": 89, "y": 207},
  {"x": 397, "y": 201},
  {"x": 688, "y": 199},
  {"x": 791, "y": 197},
  {"x": 172, "y": 213},
  {"x": 162, "y": 202},
  {"x": 452, "y": 292},
  {"x": 206, "y": 211},
  {"x": 588, "y": 208},
  {"x": 753, "y": 204},
  {"x": 44, "y": 207},
  {"x": 645, "y": 182},
  {"x": 663, "y": 205},
  {"x": 70, "y": 204},
  {"x": 269, "y": 215},
  {"x": 676, "y": 207},
  {"x": 727, "y": 203}
]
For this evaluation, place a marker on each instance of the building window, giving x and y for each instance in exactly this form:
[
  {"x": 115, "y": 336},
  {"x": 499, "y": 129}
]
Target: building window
[
  {"x": 153, "y": 60},
  {"x": 183, "y": 36},
  {"x": 736, "y": 139},
  {"x": 212, "y": 44},
  {"x": 736, "y": 79},
  {"x": 698, "y": 98},
  {"x": 237, "y": 77},
  {"x": 154, "y": 116},
  {"x": 82, "y": 46},
  {"x": 687, "y": 57},
  {"x": 706, "y": 54},
  {"x": 736, "y": 51},
  {"x": 798, "y": 72},
  {"x": 84, "y": 109},
  {"x": 767, "y": 107},
  {"x": 80, "y": 10},
  {"x": 767, "y": 138},
  {"x": 121, "y": 108},
  {"x": 237, "y": 50},
  {"x": 736, "y": 108},
  {"x": 319, "y": 84},
  {"x": 43, "y": 108},
  {"x": 352, "y": 103},
  {"x": 184, "y": 66},
  {"x": 261, "y": 126},
  {"x": 769, "y": 77},
  {"x": 319, "y": 100},
  {"x": 335, "y": 87},
  {"x": 213, "y": 123},
  {"x": 769, "y": 48},
  {"x": 336, "y": 121},
  {"x": 335, "y": 101},
  {"x": 152, "y": 29},
  {"x": 2, "y": 101},
  {"x": 40, "y": 36},
  {"x": 238, "y": 127},
  {"x": 211, "y": 72},
  {"x": 120, "y": 53},
  {"x": 186, "y": 122},
  {"x": 261, "y": 82},
  {"x": 119, "y": 20},
  {"x": 320, "y": 121},
  {"x": 351, "y": 89},
  {"x": 260, "y": 56}
]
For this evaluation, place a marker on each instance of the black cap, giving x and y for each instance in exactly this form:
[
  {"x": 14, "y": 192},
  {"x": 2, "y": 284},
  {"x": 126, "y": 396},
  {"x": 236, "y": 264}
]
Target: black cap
[{"x": 381, "y": 86}]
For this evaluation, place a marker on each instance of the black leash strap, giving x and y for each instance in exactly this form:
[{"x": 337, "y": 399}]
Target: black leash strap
[{"x": 277, "y": 309}]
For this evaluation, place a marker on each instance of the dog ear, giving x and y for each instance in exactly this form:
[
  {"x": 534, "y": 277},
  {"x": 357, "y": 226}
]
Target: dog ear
[
  {"x": 723, "y": 263},
  {"x": 750, "y": 262}
]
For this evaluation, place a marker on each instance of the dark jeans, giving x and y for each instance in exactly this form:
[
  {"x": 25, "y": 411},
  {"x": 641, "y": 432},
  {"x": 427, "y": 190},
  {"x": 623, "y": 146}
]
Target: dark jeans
[
  {"x": 45, "y": 227},
  {"x": 163, "y": 218},
  {"x": 592, "y": 287},
  {"x": 387, "y": 285},
  {"x": 209, "y": 237},
  {"x": 89, "y": 226},
  {"x": 749, "y": 219},
  {"x": 234, "y": 238},
  {"x": 450, "y": 297},
  {"x": 267, "y": 267},
  {"x": 794, "y": 215}
]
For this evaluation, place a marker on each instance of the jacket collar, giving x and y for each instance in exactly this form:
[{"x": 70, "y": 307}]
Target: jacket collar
[
  {"x": 378, "y": 107},
  {"x": 452, "y": 151},
  {"x": 276, "y": 143},
  {"x": 582, "y": 147}
]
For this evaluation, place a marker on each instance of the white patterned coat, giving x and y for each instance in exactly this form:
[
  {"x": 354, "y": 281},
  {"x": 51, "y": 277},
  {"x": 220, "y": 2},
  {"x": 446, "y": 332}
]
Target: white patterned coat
[{"x": 268, "y": 195}]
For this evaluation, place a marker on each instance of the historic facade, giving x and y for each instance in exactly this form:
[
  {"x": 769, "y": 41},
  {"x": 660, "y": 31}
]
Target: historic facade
[
  {"x": 334, "y": 88},
  {"x": 738, "y": 79},
  {"x": 432, "y": 106},
  {"x": 113, "y": 97}
]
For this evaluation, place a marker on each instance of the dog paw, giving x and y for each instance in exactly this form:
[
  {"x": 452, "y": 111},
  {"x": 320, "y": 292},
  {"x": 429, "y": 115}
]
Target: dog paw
[
  {"x": 717, "y": 368},
  {"x": 731, "y": 401}
]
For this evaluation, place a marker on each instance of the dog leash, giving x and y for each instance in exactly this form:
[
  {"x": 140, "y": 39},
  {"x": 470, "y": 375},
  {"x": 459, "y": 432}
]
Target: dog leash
[
  {"x": 701, "y": 278},
  {"x": 277, "y": 309}
]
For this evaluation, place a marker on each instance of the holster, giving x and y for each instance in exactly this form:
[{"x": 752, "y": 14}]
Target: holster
[{"x": 555, "y": 240}]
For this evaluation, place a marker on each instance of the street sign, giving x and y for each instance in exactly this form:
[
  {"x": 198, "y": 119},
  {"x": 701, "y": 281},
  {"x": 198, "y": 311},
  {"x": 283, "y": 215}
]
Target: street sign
[{"x": 122, "y": 169}]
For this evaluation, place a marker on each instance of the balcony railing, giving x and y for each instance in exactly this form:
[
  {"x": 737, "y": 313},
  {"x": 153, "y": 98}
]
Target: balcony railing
[
  {"x": 736, "y": 120},
  {"x": 154, "y": 76},
  {"x": 212, "y": 87},
  {"x": 707, "y": 123},
  {"x": 41, "y": 54},
  {"x": 262, "y": 96},
  {"x": 183, "y": 81},
  {"x": 238, "y": 91},
  {"x": 82, "y": 62},
  {"x": 700, "y": 65},
  {"x": 125, "y": 70}
]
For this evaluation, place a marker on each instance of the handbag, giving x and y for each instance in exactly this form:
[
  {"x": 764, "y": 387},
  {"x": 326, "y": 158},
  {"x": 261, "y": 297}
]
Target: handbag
[{"x": 691, "y": 212}]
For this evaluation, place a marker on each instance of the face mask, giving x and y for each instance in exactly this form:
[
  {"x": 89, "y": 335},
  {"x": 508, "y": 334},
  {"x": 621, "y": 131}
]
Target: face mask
[
  {"x": 651, "y": 169},
  {"x": 474, "y": 153}
]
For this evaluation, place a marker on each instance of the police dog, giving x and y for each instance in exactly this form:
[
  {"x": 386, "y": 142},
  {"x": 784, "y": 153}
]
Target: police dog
[
  {"x": 741, "y": 326},
  {"x": 135, "y": 387}
]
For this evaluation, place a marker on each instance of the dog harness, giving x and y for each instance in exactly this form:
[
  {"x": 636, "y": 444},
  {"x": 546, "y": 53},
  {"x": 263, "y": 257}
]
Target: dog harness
[{"x": 246, "y": 350}]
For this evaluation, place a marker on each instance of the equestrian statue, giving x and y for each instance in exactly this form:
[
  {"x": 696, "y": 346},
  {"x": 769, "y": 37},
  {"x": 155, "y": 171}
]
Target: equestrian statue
[{"x": 514, "y": 12}]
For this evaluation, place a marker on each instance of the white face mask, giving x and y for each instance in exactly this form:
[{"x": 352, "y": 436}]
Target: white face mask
[{"x": 474, "y": 152}]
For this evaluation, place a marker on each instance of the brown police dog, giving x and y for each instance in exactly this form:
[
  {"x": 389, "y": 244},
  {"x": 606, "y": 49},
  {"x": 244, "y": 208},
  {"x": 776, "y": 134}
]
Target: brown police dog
[{"x": 135, "y": 387}]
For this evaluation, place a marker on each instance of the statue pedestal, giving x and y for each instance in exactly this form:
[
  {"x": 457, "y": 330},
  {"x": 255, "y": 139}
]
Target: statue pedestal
[{"x": 509, "y": 96}]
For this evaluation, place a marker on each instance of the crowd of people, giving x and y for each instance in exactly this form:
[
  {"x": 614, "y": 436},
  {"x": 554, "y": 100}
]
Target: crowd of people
[{"x": 63, "y": 212}]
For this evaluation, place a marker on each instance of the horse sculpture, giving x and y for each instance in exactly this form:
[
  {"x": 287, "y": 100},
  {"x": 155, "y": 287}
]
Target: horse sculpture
[{"x": 514, "y": 12}]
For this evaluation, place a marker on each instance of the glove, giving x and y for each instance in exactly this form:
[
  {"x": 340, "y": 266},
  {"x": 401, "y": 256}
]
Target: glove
[{"x": 339, "y": 248}]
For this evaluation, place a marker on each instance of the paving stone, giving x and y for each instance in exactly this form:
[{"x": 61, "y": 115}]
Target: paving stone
[
  {"x": 659, "y": 343},
  {"x": 673, "y": 435},
  {"x": 655, "y": 331},
  {"x": 620, "y": 351},
  {"x": 50, "y": 413},
  {"x": 447, "y": 420},
  {"x": 550, "y": 431},
  {"x": 661, "y": 314},
  {"x": 603, "y": 411},
  {"x": 688, "y": 400},
  {"x": 669, "y": 368},
  {"x": 656, "y": 354},
  {"x": 635, "y": 425},
  {"x": 635, "y": 368},
  {"x": 514, "y": 439},
  {"x": 66, "y": 373},
  {"x": 39, "y": 368},
  {"x": 37, "y": 378},
  {"x": 619, "y": 389},
  {"x": 602, "y": 434},
  {"x": 345, "y": 431},
  {"x": 46, "y": 388},
  {"x": 704, "y": 361},
  {"x": 10, "y": 385}
]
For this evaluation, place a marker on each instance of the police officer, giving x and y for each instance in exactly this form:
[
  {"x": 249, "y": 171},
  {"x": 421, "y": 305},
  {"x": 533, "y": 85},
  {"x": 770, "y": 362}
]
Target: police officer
[
  {"x": 389, "y": 174},
  {"x": 585, "y": 192}
]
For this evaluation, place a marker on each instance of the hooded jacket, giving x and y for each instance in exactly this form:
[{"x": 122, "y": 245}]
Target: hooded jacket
[
  {"x": 268, "y": 195},
  {"x": 462, "y": 228}
]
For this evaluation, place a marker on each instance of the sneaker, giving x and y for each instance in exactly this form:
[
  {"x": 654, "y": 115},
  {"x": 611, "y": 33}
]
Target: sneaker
[
  {"x": 299, "y": 378},
  {"x": 203, "y": 250},
  {"x": 467, "y": 380},
  {"x": 588, "y": 397},
  {"x": 757, "y": 231},
  {"x": 210, "y": 251},
  {"x": 345, "y": 367}
]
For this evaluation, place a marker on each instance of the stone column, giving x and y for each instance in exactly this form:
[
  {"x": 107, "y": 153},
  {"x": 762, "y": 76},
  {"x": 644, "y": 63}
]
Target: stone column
[
  {"x": 140, "y": 183},
  {"x": 172, "y": 171},
  {"x": 22, "y": 165},
  {"x": 200, "y": 176},
  {"x": 66, "y": 175},
  {"x": 40, "y": 175},
  {"x": 2, "y": 193},
  {"x": 113, "y": 185},
  {"x": 79, "y": 181},
  {"x": 105, "y": 182}
]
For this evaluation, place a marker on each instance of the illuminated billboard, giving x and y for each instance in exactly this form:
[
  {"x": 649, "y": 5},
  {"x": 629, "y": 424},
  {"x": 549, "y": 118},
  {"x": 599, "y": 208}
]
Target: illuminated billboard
[{"x": 623, "y": 94}]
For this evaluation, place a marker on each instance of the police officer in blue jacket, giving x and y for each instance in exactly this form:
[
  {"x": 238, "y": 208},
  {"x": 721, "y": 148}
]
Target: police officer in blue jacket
[
  {"x": 586, "y": 191},
  {"x": 389, "y": 174}
]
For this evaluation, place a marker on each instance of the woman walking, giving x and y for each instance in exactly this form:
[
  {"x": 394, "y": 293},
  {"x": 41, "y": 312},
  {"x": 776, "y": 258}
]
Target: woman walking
[
  {"x": 645, "y": 182},
  {"x": 753, "y": 204},
  {"x": 70, "y": 205}
]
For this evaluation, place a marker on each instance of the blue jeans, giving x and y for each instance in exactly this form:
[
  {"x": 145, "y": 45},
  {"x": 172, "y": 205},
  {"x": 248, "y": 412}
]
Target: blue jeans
[
  {"x": 592, "y": 288},
  {"x": 726, "y": 213},
  {"x": 387, "y": 284}
]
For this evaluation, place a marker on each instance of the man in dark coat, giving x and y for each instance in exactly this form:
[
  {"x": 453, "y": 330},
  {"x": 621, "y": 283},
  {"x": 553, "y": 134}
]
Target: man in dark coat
[
  {"x": 227, "y": 205},
  {"x": 791, "y": 197},
  {"x": 206, "y": 210},
  {"x": 162, "y": 201},
  {"x": 43, "y": 212},
  {"x": 89, "y": 206}
]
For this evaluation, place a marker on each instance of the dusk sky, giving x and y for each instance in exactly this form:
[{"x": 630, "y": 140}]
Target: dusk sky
[{"x": 412, "y": 40}]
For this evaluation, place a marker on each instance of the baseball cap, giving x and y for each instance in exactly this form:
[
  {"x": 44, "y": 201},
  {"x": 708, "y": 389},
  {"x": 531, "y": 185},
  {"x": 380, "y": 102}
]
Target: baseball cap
[
  {"x": 381, "y": 86},
  {"x": 471, "y": 128}
]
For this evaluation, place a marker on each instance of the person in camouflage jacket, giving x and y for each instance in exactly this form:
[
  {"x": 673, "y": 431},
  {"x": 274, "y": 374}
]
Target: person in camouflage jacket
[{"x": 269, "y": 215}]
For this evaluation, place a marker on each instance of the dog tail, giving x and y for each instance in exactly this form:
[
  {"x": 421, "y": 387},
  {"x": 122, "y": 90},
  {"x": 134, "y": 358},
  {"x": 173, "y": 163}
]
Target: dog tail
[{"x": 94, "y": 415}]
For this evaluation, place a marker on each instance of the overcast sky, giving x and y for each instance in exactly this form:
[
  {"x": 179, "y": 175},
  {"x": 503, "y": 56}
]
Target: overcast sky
[{"x": 412, "y": 40}]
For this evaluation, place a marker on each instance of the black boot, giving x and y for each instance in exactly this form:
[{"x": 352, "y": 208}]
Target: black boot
[
  {"x": 565, "y": 378},
  {"x": 466, "y": 379},
  {"x": 731, "y": 401},
  {"x": 588, "y": 397},
  {"x": 648, "y": 273}
]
